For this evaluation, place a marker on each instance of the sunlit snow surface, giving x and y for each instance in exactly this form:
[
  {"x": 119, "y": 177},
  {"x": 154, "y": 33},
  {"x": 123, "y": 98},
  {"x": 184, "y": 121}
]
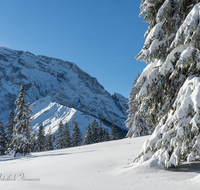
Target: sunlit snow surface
[
  {"x": 107, "y": 165},
  {"x": 51, "y": 113}
]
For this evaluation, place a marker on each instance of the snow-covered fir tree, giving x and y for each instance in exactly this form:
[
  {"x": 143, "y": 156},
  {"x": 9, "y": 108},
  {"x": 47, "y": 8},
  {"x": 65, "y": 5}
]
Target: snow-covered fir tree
[
  {"x": 67, "y": 139},
  {"x": 49, "y": 140},
  {"x": 2, "y": 139},
  {"x": 136, "y": 121},
  {"x": 106, "y": 135},
  {"x": 59, "y": 137},
  {"x": 32, "y": 138},
  {"x": 94, "y": 127},
  {"x": 100, "y": 133},
  {"x": 21, "y": 138},
  {"x": 87, "y": 139},
  {"x": 133, "y": 107},
  {"x": 170, "y": 84},
  {"x": 113, "y": 133},
  {"x": 40, "y": 139},
  {"x": 76, "y": 135},
  {"x": 9, "y": 127}
]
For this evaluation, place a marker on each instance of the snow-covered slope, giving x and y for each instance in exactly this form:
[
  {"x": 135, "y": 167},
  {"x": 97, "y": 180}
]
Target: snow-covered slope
[
  {"x": 51, "y": 113},
  {"x": 107, "y": 165},
  {"x": 63, "y": 82}
]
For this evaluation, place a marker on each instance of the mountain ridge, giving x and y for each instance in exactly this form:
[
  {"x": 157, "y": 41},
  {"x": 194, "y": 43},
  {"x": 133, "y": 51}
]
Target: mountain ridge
[{"x": 64, "y": 82}]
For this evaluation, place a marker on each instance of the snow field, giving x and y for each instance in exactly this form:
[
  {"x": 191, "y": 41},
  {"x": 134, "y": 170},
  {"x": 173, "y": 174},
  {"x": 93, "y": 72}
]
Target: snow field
[{"x": 107, "y": 165}]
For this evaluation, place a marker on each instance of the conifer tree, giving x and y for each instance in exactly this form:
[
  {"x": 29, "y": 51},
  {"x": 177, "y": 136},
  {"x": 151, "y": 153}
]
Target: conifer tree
[
  {"x": 113, "y": 133},
  {"x": 100, "y": 133},
  {"x": 49, "y": 141},
  {"x": 133, "y": 105},
  {"x": 94, "y": 127},
  {"x": 21, "y": 138},
  {"x": 9, "y": 128},
  {"x": 67, "y": 139},
  {"x": 40, "y": 139},
  {"x": 106, "y": 135},
  {"x": 32, "y": 138},
  {"x": 139, "y": 127},
  {"x": 59, "y": 137},
  {"x": 88, "y": 135},
  {"x": 76, "y": 135},
  {"x": 136, "y": 122},
  {"x": 2, "y": 139},
  {"x": 169, "y": 84}
]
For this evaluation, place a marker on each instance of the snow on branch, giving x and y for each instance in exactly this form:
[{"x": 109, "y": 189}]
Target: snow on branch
[{"x": 190, "y": 28}]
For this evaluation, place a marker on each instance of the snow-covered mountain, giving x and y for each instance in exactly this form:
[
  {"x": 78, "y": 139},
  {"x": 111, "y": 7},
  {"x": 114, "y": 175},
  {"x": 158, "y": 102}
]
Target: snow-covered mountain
[
  {"x": 60, "y": 82},
  {"x": 51, "y": 113}
]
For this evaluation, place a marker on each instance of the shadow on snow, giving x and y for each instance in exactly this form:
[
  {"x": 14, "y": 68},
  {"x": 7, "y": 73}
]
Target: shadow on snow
[{"x": 40, "y": 154}]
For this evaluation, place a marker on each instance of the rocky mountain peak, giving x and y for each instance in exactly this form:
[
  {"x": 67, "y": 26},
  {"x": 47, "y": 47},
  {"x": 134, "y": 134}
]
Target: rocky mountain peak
[{"x": 61, "y": 81}]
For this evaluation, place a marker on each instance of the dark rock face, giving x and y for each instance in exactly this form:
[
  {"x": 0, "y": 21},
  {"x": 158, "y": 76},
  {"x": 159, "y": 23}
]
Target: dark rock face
[{"x": 62, "y": 81}]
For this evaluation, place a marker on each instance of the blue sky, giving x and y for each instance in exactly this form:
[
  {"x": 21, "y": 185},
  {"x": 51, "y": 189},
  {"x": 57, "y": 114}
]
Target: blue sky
[{"x": 101, "y": 36}]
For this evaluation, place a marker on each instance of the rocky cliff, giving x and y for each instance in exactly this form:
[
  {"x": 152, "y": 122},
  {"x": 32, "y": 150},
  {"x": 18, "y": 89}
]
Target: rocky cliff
[{"x": 60, "y": 81}]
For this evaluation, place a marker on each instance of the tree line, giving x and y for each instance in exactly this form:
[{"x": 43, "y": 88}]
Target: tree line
[{"x": 18, "y": 137}]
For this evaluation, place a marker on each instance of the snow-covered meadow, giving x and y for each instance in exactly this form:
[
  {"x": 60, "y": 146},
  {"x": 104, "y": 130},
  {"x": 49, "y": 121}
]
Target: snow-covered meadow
[{"x": 107, "y": 165}]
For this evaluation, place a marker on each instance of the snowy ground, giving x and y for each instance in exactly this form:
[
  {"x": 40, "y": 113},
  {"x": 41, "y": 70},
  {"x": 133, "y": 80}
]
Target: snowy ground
[{"x": 100, "y": 166}]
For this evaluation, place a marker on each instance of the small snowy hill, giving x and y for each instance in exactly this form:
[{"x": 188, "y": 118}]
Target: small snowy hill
[
  {"x": 107, "y": 165},
  {"x": 51, "y": 113}
]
